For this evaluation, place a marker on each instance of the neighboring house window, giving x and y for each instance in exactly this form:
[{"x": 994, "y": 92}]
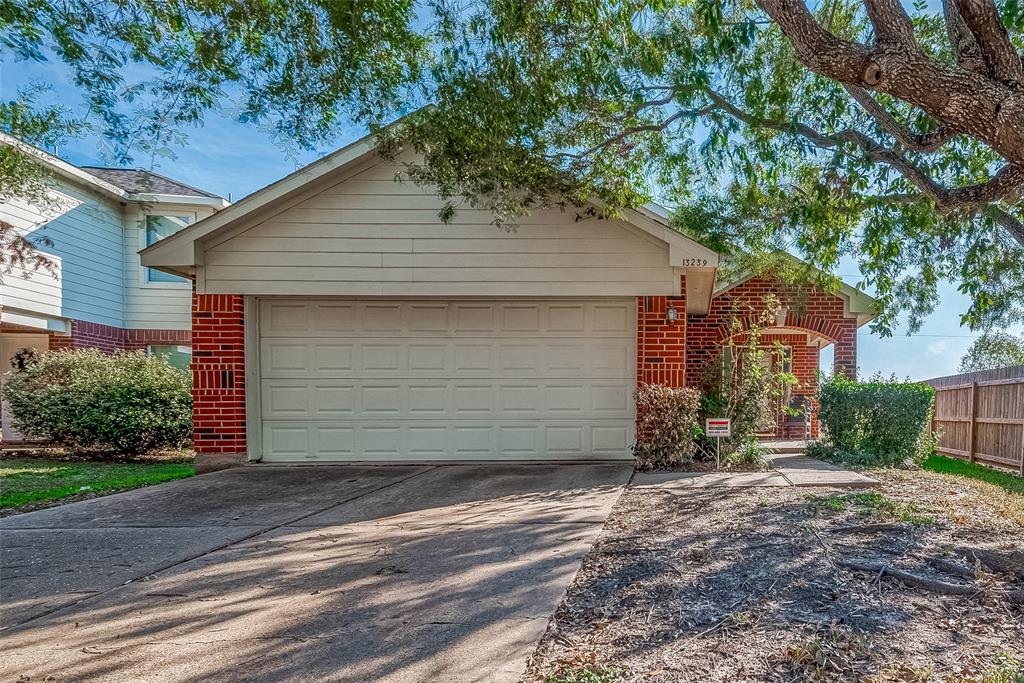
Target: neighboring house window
[
  {"x": 177, "y": 356},
  {"x": 157, "y": 228}
]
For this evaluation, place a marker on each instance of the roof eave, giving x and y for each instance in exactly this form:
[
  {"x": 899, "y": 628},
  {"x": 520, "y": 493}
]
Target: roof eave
[
  {"x": 192, "y": 200},
  {"x": 63, "y": 168}
]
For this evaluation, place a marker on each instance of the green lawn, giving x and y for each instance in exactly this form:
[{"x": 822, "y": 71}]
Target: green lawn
[
  {"x": 30, "y": 480},
  {"x": 971, "y": 470}
]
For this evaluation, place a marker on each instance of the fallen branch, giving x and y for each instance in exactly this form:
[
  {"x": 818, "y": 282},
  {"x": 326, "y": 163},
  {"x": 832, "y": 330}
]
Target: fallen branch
[
  {"x": 950, "y": 567},
  {"x": 1011, "y": 563},
  {"x": 909, "y": 578}
]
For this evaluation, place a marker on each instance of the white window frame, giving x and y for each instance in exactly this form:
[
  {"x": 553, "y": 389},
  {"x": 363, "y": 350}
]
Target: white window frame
[{"x": 144, "y": 281}]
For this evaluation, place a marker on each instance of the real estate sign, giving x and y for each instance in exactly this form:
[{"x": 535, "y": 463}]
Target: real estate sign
[{"x": 720, "y": 427}]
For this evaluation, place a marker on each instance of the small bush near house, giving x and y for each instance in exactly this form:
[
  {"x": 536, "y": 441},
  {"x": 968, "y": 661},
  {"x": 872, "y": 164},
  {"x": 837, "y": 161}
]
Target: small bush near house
[
  {"x": 124, "y": 403},
  {"x": 666, "y": 426},
  {"x": 881, "y": 422}
]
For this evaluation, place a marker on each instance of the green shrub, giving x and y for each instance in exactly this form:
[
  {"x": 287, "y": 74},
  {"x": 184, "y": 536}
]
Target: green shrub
[
  {"x": 878, "y": 422},
  {"x": 749, "y": 456},
  {"x": 126, "y": 402},
  {"x": 666, "y": 426}
]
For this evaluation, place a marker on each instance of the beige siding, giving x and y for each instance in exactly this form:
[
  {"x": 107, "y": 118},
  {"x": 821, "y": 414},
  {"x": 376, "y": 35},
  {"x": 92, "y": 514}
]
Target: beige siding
[
  {"x": 369, "y": 235},
  {"x": 149, "y": 305},
  {"x": 95, "y": 247},
  {"x": 86, "y": 232}
]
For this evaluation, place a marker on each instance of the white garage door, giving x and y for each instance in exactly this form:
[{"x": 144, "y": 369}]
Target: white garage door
[{"x": 446, "y": 380}]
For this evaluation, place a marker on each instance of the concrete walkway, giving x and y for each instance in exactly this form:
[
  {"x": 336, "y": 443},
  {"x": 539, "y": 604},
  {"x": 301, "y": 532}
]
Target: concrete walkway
[
  {"x": 787, "y": 469},
  {"x": 266, "y": 573}
]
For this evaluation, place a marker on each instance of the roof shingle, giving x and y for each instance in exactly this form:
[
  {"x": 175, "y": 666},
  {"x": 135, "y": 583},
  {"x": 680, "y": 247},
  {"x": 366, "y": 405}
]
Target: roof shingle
[{"x": 139, "y": 181}]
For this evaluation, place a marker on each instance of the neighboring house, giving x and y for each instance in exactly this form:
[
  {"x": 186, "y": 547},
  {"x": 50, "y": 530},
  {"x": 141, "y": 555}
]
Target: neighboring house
[
  {"x": 100, "y": 296},
  {"x": 337, "y": 319}
]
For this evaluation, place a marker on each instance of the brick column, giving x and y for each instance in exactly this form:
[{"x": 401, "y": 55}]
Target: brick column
[
  {"x": 846, "y": 352},
  {"x": 661, "y": 345},
  {"x": 218, "y": 375}
]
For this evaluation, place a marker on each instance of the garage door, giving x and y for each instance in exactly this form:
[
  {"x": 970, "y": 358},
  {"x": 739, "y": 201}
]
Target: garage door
[{"x": 446, "y": 380}]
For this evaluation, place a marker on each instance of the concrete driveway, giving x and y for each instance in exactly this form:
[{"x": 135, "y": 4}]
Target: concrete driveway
[{"x": 332, "y": 573}]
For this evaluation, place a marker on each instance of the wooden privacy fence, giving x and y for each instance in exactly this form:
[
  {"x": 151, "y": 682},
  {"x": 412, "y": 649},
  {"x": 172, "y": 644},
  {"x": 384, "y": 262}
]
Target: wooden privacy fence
[{"x": 981, "y": 416}]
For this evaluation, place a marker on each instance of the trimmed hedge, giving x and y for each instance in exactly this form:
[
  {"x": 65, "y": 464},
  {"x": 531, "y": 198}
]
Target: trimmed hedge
[
  {"x": 126, "y": 402},
  {"x": 878, "y": 422},
  {"x": 666, "y": 426}
]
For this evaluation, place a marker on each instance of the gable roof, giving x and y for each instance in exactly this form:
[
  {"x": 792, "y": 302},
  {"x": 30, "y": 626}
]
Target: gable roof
[
  {"x": 278, "y": 191},
  {"x": 122, "y": 185},
  {"x": 140, "y": 181},
  {"x": 858, "y": 304},
  {"x": 180, "y": 251}
]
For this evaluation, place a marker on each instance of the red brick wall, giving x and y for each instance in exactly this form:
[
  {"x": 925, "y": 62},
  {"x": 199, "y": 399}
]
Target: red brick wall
[
  {"x": 218, "y": 373},
  {"x": 821, "y": 313},
  {"x": 661, "y": 345},
  {"x": 87, "y": 335}
]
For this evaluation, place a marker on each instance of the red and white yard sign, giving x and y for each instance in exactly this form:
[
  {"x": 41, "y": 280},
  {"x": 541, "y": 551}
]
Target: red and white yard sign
[{"x": 720, "y": 427}]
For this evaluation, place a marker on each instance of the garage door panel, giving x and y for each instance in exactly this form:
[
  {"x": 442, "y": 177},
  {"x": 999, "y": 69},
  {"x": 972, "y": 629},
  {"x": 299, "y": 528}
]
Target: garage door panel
[
  {"x": 611, "y": 318},
  {"x": 446, "y": 380},
  {"x": 472, "y": 441},
  {"x": 525, "y": 358},
  {"x": 442, "y": 399},
  {"x": 287, "y": 318},
  {"x": 610, "y": 439},
  {"x": 454, "y": 440},
  {"x": 339, "y": 401},
  {"x": 428, "y": 442},
  {"x": 286, "y": 442},
  {"x": 567, "y": 318},
  {"x": 427, "y": 358},
  {"x": 428, "y": 400},
  {"x": 381, "y": 400},
  {"x": 334, "y": 443},
  {"x": 472, "y": 400},
  {"x": 287, "y": 400}
]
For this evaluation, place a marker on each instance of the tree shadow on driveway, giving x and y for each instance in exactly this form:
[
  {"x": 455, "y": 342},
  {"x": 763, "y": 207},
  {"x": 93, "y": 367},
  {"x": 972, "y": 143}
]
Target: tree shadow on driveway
[{"x": 448, "y": 574}]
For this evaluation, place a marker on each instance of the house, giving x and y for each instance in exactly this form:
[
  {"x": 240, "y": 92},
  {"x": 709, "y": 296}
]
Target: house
[
  {"x": 100, "y": 295},
  {"x": 336, "y": 318}
]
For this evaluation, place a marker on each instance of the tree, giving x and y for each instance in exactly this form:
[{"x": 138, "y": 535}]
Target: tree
[
  {"x": 993, "y": 350},
  {"x": 857, "y": 128},
  {"x": 22, "y": 177}
]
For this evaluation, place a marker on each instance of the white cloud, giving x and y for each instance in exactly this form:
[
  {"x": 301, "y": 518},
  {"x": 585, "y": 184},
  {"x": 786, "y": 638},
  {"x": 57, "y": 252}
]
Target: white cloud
[{"x": 937, "y": 348}]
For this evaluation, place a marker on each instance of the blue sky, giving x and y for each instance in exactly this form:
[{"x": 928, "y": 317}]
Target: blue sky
[{"x": 234, "y": 159}]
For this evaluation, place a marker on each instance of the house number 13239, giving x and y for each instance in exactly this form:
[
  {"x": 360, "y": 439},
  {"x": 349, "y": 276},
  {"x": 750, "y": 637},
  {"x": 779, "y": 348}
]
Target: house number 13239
[{"x": 694, "y": 262}]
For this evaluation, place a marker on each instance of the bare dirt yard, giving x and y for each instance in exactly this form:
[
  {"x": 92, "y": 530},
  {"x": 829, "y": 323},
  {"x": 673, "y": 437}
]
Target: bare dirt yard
[{"x": 919, "y": 580}]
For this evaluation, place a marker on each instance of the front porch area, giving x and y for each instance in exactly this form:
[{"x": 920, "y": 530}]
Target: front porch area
[{"x": 678, "y": 350}]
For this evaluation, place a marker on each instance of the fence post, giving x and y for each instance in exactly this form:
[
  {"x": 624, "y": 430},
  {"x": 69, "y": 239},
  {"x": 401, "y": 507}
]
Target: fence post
[
  {"x": 972, "y": 425},
  {"x": 1022, "y": 449}
]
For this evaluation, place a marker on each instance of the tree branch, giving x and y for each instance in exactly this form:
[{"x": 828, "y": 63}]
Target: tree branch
[
  {"x": 965, "y": 47},
  {"x": 917, "y": 142},
  {"x": 818, "y": 49},
  {"x": 891, "y": 23},
  {"x": 986, "y": 108},
  {"x": 1006, "y": 185},
  {"x": 1008, "y": 222},
  {"x": 1000, "y": 55},
  {"x": 916, "y": 175},
  {"x": 634, "y": 130}
]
